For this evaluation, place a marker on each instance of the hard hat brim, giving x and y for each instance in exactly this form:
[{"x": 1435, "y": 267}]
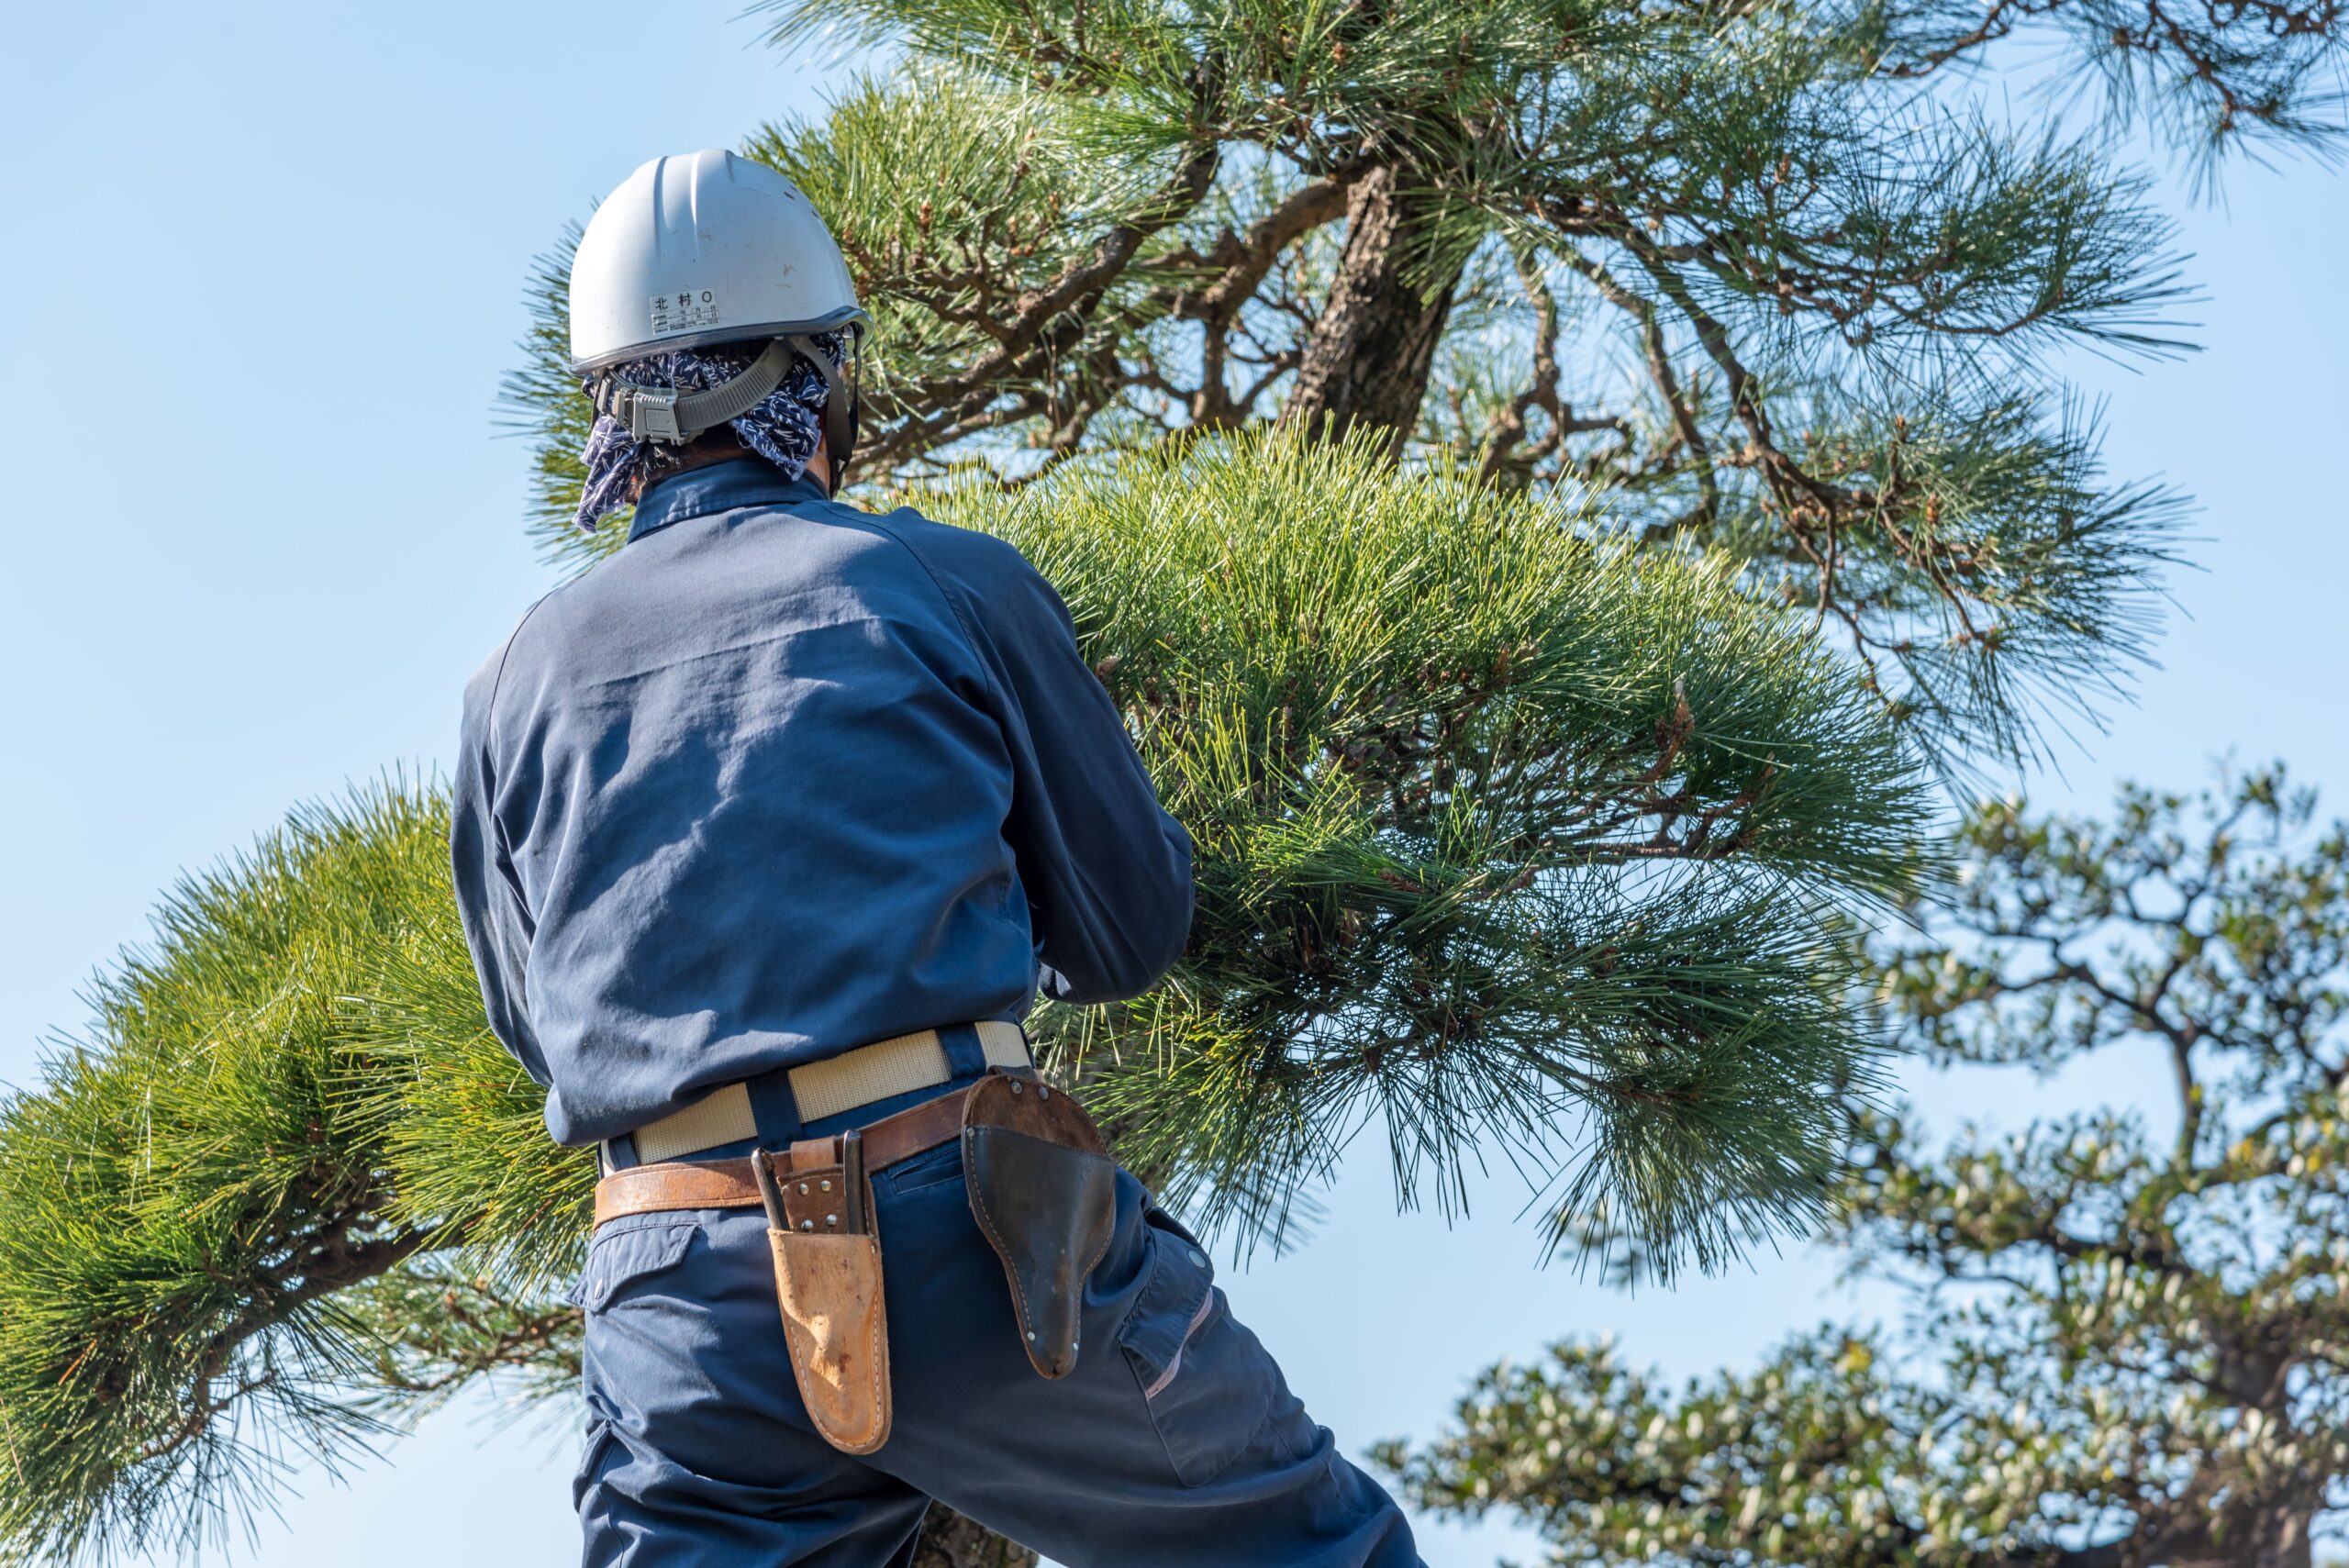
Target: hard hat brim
[{"x": 831, "y": 321}]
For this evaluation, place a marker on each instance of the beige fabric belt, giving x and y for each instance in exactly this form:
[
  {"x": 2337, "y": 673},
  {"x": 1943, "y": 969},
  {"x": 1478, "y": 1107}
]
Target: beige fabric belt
[{"x": 842, "y": 1083}]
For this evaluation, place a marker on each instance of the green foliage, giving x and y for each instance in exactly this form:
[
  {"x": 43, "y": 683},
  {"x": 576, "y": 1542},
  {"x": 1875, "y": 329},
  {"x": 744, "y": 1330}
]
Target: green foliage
[
  {"x": 221, "y": 1200},
  {"x": 2053, "y": 589},
  {"x": 1810, "y": 1460},
  {"x": 437, "y": 1325},
  {"x": 1503, "y": 835},
  {"x": 1761, "y": 274},
  {"x": 199, "y": 1167},
  {"x": 2131, "y": 1338},
  {"x": 1506, "y": 837},
  {"x": 929, "y": 171},
  {"x": 2205, "y": 81},
  {"x": 1754, "y": 275},
  {"x": 1512, "y": 837},
  {"x": 542, "y": 401}
]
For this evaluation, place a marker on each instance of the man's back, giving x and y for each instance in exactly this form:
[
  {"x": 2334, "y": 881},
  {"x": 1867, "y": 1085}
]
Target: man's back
[
  {"x": 790, "y": 786},
  {"x": 782, "y": 777}
]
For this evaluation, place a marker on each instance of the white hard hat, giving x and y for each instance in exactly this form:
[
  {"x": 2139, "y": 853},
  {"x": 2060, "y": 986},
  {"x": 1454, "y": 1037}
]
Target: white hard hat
[{"x": 700, "y": 248}]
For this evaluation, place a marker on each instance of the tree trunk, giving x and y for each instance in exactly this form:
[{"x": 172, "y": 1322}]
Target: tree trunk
[
  {"x": 1373, "y": 348},
  {"x": 949, "y": 1541},
  {"x": 2249, "y": 1529}
]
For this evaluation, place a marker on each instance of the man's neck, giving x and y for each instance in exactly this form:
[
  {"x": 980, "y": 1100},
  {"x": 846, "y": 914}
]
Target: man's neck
[
  {"x": 707, "y": 450},
  {"x": 702, "y": 455}
]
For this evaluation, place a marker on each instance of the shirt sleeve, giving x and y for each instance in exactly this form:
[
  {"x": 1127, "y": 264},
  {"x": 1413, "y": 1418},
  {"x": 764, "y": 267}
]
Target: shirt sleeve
[
  {"x": 489, "y": 899},
  {"x": 1107, "y": 871}
]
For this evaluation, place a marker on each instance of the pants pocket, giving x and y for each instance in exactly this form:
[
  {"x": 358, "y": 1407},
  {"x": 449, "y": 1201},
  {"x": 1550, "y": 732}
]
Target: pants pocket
[
  {"x": 1208, "y": 1384},
  {"x": 935, "y": 1169},
  {"x": 627, "y": 1252},
  {"x": 589, "y": 1469}
]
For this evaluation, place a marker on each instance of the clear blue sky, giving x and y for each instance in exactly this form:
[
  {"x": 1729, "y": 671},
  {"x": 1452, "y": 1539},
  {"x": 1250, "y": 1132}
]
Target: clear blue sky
[{"x": 303, "y": 229}]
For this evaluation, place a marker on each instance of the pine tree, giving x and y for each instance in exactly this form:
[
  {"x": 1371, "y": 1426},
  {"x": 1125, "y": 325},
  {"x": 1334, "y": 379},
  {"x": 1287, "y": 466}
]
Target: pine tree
[
  {"x": 1486, "y": 667},
  {"x": 2130, "y": 1347},
  {"x": 1506, "y": 835}
]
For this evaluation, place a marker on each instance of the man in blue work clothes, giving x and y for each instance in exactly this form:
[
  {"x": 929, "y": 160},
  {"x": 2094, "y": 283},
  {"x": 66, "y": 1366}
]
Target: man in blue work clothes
[{"x": 766, "y": 832}]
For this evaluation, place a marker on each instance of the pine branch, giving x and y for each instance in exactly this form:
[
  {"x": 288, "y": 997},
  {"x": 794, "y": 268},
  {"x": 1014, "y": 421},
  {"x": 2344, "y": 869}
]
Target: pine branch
[{"x": 1505, "y": 834}]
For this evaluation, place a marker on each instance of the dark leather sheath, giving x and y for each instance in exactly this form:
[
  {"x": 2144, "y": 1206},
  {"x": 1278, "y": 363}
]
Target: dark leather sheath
[{"x": 1043, "y": 1189}]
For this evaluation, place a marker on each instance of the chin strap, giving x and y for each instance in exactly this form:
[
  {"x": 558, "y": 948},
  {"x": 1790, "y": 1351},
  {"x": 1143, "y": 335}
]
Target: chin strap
[
  {"x": 668, "y": 417},
  {"x": 665, "y": 416},
  {"x": 842, "y": 405}
]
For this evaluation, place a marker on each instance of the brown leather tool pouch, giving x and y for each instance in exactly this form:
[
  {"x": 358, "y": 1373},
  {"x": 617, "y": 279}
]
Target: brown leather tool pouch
[
  {"x": 1043, "y": 1187},
  {"x": 828, "y": 1279}
]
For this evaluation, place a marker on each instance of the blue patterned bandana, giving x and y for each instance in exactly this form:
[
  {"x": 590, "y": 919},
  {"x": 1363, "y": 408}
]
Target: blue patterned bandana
[{"x": 783, "y": 428}]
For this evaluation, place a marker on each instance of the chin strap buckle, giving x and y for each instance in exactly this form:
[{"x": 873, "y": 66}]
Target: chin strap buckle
[
  {"x": 671, "y": 417},
  {"x": 651, "y": 412}
]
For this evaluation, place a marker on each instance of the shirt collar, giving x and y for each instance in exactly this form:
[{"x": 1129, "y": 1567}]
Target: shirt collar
[{"x": 720, "y": 487}]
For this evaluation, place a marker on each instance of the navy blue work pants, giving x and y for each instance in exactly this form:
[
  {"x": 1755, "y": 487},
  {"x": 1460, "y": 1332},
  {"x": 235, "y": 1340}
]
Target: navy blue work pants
[{"x": 1175, "y": 1444}]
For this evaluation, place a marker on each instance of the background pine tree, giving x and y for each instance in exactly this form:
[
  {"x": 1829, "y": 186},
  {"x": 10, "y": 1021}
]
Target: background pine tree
[
  {"x": 2129, "y": 1346},
  {"x": 1558, "y": 372}
]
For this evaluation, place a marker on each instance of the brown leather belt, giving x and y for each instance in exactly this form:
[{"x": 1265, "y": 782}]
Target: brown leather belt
[{"x": 734, "y": 1184}]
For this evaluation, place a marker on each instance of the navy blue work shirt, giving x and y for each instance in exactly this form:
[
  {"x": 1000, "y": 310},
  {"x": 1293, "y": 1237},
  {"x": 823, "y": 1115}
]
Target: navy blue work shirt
[{"x": 781, "y": 777}]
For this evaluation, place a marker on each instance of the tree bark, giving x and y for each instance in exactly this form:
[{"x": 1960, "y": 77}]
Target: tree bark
[
  {"x": 2225, "y": 1519},
  {"x": 2268, "y": 1533},
  {"x": 949, "y": 1541},
  {"x": 1373, "y": 348}
]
